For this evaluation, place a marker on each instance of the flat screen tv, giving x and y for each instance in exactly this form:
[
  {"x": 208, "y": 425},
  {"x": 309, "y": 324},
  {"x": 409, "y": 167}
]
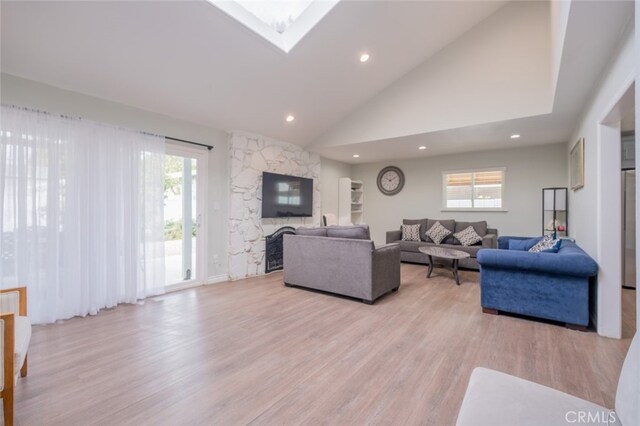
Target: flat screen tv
[{"x": 286, "y": 196}]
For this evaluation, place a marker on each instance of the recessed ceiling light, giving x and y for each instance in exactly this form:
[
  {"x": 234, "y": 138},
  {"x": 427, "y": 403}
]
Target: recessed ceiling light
[
  {"x": 422, "y": 147},
  {"x": 516, "y": 136},
  {"x": 364, "y": 57},
  {"x": 290, "y": 118},
  {"x": 356, "y": 156}
]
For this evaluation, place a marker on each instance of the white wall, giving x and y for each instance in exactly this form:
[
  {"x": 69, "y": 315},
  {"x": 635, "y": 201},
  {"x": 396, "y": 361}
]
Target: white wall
[
  {"x": 637, "y": 55},
  {"x": 330, "y": 174},
  {"x": 617, "y": 75},
  {"x": 21, "y": 92},
  {"x": 499, "y": 70},
  {"x": 559, "y": 18},
  {"x": 599, "y": 201},
  {"x": 529, "y": 170}
]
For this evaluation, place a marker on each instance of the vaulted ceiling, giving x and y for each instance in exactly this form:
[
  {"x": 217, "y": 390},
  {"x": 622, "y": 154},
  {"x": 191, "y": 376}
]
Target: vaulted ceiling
[{"x": 457, "y": 75}]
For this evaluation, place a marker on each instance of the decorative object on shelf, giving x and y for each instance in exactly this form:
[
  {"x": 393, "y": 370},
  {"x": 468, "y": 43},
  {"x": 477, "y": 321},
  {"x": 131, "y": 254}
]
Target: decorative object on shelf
[
  {"x": 577, "y": 165},
  {"x": 390, "y": 180},
  {"x": 555, "y": 212},
  {"x": 274, "y": 250}
]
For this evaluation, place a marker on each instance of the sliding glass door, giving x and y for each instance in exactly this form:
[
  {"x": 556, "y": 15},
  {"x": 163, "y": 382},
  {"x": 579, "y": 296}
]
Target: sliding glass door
[{"x": 184, "y": 225}]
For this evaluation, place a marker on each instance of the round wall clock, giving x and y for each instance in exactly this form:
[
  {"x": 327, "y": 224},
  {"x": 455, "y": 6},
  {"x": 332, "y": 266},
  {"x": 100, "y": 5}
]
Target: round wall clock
[{"x": 390, "y": 180}]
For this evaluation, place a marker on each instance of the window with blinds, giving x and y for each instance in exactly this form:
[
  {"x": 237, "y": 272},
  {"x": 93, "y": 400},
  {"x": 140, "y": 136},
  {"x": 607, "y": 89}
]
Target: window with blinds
[{"x": 473, "y": 189}]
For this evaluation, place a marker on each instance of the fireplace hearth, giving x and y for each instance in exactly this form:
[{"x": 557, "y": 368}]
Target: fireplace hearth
[{"x": 274, "y": 249}]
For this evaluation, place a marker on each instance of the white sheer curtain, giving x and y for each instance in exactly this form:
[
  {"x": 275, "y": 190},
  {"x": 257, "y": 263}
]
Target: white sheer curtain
[{"x": 81, "y": 208}]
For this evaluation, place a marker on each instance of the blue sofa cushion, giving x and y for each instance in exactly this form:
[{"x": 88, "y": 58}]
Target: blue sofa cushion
[
  {"x": 570, "y": 260},
  {"x": 523, "y": 245}
]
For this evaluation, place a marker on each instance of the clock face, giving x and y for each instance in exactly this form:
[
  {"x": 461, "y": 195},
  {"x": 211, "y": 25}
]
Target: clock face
[{"x": 390, "y": 180}]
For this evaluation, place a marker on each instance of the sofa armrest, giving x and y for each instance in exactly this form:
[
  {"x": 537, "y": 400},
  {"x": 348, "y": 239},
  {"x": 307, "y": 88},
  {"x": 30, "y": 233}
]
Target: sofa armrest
[
  {"x": 493, "y": 231},
  {"x": 386, "y": 269},
  {"x": 7, "y": 335},
  {"x": 490, "y": 241},
  {"x": 14, "y": 300},
  {"x": 393, "y": 236},
  {"x": 387, "y": 250},
  {"x": 563, "y": 264}
]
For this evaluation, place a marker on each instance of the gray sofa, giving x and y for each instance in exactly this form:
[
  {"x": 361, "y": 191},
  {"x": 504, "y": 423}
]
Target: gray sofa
[
  {"x": 341, "y": 260},
  {"x": 409, "y": 250}
]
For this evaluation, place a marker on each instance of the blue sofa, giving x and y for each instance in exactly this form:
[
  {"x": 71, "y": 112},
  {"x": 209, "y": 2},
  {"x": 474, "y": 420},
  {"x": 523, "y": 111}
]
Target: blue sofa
[{"x": 553, "y": 286}]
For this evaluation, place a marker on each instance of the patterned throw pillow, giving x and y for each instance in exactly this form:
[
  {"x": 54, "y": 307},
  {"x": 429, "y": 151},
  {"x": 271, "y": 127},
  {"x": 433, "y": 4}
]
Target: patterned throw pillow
[
  {"x": 468, "y": 236},
  {"x": 438, "y": 233},
  {"x": 546, "y": 244},
  {"x": 411, "y": 232}
]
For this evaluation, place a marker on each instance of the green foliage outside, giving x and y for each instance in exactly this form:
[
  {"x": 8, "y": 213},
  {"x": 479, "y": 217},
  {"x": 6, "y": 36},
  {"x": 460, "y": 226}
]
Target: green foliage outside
[
  {"x": 173, "y": 230},
  {"x": 173, "y": 171},
  {"x": 172, "y": 176}
]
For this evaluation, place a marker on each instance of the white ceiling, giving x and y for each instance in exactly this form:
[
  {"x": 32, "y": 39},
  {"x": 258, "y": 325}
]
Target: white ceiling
[
  {"x": 190, "y": 60},
  {"x": 593, "y": 30}
]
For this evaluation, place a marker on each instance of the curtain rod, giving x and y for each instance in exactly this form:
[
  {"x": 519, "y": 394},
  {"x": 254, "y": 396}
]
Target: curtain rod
[{"x": 209, "y": 147}]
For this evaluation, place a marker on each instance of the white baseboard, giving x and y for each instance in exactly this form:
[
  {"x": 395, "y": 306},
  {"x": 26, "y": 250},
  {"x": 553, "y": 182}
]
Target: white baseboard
[
  {"x": 211, "y": 280},
  {"x": 216, "y": 279},
  {"x": 181, "y": 286}
]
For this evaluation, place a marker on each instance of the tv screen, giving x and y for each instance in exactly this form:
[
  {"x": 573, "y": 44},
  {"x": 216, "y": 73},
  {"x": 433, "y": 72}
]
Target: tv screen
[{"x": 286, "y": 196}]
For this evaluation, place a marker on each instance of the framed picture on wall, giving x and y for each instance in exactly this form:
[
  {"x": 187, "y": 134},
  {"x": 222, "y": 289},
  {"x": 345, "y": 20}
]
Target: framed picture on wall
[{"x": 577, "y": 165}]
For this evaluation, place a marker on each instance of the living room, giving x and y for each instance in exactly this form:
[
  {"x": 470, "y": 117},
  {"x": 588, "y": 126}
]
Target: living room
[{"x": 108, "y": 107}]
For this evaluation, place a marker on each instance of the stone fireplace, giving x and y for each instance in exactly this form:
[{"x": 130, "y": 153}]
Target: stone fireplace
[{"x": 249, "y": 156}]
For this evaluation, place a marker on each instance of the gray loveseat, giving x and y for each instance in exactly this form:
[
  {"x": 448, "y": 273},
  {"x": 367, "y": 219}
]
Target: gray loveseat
[
  {"x": 409, "y": 250},
  {"x": 341, "y": 260}
]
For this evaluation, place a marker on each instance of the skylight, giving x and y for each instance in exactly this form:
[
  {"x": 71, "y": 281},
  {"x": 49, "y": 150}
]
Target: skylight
[
  {"x": 282, "y": 23},
  {"x": 279, "y": 15}
]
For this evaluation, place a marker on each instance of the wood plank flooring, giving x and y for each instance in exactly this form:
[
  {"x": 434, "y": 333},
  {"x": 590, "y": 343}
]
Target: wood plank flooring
[{"x": 256, "y": 352}]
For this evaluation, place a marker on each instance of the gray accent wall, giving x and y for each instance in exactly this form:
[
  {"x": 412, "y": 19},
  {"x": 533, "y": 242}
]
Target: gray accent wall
[{"x": 528, "y": 170}]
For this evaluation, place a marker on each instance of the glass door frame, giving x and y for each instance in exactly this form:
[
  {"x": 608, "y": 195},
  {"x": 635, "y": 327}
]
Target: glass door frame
[{"x": 202, "y": 158}]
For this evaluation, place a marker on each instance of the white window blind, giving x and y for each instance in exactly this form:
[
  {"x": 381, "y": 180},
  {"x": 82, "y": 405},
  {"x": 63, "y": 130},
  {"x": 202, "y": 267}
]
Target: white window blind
[{"x": 473, "y": 189}]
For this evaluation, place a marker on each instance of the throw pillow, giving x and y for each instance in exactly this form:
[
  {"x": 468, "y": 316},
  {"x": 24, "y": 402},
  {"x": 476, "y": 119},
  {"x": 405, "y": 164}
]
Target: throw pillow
[
  {"x": 546, "y": 244},
  {"x": 449, "y": 224},
  {"x": 411, "y": 232},
  {"x": 523, "y": 245},
  {"x": 480, "y": 227},
  {"x": 555, "y": 248},
  {"x": 437, "y": 233},
  {"x": 468, "y": 236},
  {"x": 421, "y": 222}
]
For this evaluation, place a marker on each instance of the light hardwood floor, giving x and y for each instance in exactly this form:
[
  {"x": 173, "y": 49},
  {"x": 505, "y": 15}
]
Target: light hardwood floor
[{"x": 256, "y": 352}]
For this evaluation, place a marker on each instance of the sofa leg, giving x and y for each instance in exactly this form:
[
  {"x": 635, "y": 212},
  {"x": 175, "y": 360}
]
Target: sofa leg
[
  {"x": 23, "y": 370},
  {"x": 367, "y": 302},
  {"x": 489, "y": 311},
  {"x": 288, "y": 285},
  {"x": 7, "y": 406},
  {"x": 578, "y": 327},
  {"x": 395, "y": 289}
]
